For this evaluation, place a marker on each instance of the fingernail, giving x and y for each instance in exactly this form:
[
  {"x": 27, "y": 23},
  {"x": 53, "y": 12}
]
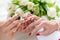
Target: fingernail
[
  {"x": 59, "y": 39},
  {"x": 37, "y": 34},
  {"x": 24, "y": 28},
  {"x": 29, "y": 34}
]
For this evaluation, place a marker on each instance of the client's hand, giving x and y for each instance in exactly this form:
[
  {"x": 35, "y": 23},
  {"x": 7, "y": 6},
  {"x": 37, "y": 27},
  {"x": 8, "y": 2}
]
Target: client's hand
[
  {"x": 49, "y": 27},
  {"x": 8, "y": 28}
]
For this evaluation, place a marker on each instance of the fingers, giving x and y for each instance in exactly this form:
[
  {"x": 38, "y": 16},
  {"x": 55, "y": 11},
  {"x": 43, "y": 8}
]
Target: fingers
[
  {"x": 29, "y": 20},
  {"x": 11, "y": 26},
  {"x": 50, "y": 27},
  {"x": 9, "y": 21},
  {"x": 26, "y": 22},
  {"x": 48, "y": 31},
  {"x": 19, "y": 26},
  {"x": 42, "y": 24},
  {"x": 45, "y": 32},
  {"x": 35, "y": 23},
  {"x": 13, "y": 31},
  {"x": 16, "y": 29},
  {"x": 29, "y": 15}
]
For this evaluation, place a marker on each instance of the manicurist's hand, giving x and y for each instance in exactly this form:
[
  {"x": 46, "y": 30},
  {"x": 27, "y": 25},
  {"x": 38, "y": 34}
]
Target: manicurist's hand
[{"x": 8, "y": 28}]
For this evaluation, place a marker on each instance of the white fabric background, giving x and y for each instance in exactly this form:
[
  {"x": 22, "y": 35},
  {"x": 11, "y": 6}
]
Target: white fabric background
[{"x": 4, "y": 13}]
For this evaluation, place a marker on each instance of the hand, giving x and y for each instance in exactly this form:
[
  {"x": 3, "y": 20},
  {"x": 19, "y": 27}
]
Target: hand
[
  {"x": 30, "y": 25},
  {"x": 8, "y": 28},
  {"x": 26, "y": 21},
  {"x": 49, "y": 27}
]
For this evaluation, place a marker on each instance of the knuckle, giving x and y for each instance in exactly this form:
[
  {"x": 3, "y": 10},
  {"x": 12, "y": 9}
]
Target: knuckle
[
  {"x": 14, "y": 22},
  {"x": 10, "y": 20},
  {"x": 45, "y": 22}
]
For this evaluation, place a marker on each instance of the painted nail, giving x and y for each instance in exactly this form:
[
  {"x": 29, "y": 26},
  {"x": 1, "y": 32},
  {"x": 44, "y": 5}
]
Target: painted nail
[
  {"x": 29, "y": 34},
  {"x": 58, "y": 39},
  {"x": 24, "y": 28},
  {"x": 37, "y": 34}
]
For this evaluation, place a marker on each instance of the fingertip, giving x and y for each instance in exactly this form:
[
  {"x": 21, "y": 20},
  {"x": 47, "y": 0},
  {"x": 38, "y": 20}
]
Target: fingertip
[
  {"x": 29, "y": 15},
  {"x": 15, "y": 16},
  {"x": 59, "y": 39},
  {"x": 29, "y": 34},
  {"x": 24, "y": 28},
  {"x": 38, "y": 34}
]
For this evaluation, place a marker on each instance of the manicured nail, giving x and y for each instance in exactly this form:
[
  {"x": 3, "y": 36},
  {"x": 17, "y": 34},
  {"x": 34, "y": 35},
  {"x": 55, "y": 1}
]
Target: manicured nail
[
  {"x": 37, "y": 34},
  {"x": 59, "y": 39},
  {"x": 24, "y": 28},
  {"x": 29, "y": 34}
]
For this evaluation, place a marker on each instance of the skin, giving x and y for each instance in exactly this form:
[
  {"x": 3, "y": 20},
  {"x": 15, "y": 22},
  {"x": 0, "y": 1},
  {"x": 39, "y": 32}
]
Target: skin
[
  {"x": 49, "y": 27},
  {"x": 7, "y": 29},
  {"x": 26, "y": 22}
]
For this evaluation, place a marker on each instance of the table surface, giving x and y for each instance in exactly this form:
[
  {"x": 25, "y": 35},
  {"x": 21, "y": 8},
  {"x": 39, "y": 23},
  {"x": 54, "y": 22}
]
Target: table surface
[{"x": 4, "y": 13}]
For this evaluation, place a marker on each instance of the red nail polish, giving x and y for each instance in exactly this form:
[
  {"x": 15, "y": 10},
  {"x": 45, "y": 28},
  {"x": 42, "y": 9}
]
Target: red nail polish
[
  {"x": 24, "y": 28},
  {"x": 29, "y": 34},
  {"x": 37, "y": 34},
  {"x": 58, "y": 39}
]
